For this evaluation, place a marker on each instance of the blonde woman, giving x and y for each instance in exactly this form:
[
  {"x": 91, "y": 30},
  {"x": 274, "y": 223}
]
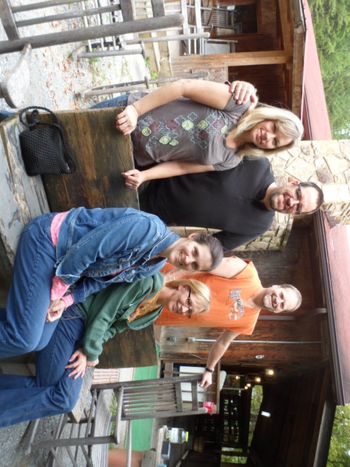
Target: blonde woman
[
  {"x": 194, "y": 126},
  {"x": 79, "y": 337}
]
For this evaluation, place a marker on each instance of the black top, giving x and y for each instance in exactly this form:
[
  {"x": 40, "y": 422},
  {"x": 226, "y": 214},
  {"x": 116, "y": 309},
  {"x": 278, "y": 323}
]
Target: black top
[{"x": 227, "y": 200}]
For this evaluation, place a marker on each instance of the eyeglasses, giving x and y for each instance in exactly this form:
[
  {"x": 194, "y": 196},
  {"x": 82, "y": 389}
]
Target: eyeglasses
[
  {"x": 298, "y": 193},
  {"x": 189, "y": 304}
]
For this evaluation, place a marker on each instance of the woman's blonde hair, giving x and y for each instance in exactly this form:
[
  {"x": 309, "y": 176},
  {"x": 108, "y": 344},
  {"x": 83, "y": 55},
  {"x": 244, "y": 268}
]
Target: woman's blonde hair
[
  {"x": 200, "y": 290},
  {"x": 288, "y": 123}
]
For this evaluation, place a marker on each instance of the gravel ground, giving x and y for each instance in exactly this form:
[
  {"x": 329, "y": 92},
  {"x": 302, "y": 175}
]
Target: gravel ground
[
  {"x": 56, "y": 79},
  {"x": 57, "y": 76}
]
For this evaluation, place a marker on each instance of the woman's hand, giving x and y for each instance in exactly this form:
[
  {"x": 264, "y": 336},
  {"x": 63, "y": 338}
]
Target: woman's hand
[
  {"x": 133, "y": 178},
  {"x": 243, "y": 92},
  {"x": 207, "y": 380},
  {"x": 55, "y": 310},
  {"x": 126, "y": 121},
  {"x": 78, "y": 362}
]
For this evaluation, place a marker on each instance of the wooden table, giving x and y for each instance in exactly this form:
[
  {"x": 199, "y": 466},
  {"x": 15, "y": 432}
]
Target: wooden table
[
  {"x": 130, "y": 349},
  {"x": 102, "y": 153}
]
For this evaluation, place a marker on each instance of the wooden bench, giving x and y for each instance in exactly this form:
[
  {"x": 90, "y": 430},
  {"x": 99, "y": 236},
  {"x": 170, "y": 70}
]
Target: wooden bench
[
  {"x": 22, "y": 197},
  {"x": 155, "y": 398}
]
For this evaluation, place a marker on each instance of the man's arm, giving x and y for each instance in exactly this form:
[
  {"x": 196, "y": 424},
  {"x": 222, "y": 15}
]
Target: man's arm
[{"x": 216, "y": 352}]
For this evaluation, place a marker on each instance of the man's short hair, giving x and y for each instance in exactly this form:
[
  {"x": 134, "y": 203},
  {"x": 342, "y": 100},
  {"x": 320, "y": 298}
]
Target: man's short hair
[
  {"x": 320, "y": 197},
  {"x": 214, "y": 246},
  {"x": 297, "y": 293}
]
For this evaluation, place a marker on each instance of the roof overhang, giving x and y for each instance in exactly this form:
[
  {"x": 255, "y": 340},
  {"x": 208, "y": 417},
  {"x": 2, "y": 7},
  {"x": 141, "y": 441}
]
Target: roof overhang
[
  {"x": 337, "y": 305},
  {"x": 299, "y": 37},
  {"x": 314, "y": 112}
]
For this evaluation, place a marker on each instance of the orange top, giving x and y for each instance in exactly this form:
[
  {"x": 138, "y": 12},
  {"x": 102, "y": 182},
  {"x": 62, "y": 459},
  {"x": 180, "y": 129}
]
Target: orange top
[{"x": 226, "y": 309}]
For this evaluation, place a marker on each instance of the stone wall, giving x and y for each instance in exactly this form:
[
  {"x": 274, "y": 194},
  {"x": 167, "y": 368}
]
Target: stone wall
[{"x": 326, "y": 163}]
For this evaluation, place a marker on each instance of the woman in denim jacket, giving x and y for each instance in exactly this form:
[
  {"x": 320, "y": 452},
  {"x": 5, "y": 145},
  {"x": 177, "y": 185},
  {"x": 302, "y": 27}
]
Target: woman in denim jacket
[
  {"x": 63, "y": 258},
  {"x": 83, "y": 329}
]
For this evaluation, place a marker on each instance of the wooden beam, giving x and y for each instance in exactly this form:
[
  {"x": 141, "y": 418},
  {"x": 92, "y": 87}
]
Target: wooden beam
[
  {"x": 70, "y": 14},
  {"x": 41, "y": 5},
  {"x": 297, "y": 71},
  {"x": 286, "y": 24},
  {"x": 82, "y": 34},
  {"x": 197, "y": 10},
  {"x": 269, "y": 57},
  {"x": 185, "y": 25}
]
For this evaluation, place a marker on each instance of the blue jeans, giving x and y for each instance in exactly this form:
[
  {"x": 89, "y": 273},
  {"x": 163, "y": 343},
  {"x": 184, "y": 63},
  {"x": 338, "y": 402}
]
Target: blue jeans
[
  {"x": 120, "y": 101},
  {"x": 51, "y": 392},
  {"x": 4, "y": 114},
  {"x": 24, "y": 329}
]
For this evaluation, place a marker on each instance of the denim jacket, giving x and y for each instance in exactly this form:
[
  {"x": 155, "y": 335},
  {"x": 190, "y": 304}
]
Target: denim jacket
[{"x": 98, "y": 247}]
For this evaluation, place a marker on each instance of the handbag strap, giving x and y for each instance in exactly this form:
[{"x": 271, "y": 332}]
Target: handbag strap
[{"x": 35, "y": 113}]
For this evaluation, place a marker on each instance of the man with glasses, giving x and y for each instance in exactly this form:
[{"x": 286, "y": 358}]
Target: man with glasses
[
  {"x": 237, "y": 297},
  {"x": 240, "y": 202},
  {"x": 293, "y": 198}
]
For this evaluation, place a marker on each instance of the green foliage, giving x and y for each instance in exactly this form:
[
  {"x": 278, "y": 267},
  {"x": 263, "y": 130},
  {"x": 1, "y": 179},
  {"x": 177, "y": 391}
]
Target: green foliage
[
  {"x": 257, "y": 397},
  {"x": 339, "y": 451},
  {"x": 234, "y": 456},
  {"x": 153, "y": 74},
  {"x": 233, "y": 460},
  {"x": 331, "y": 20}
]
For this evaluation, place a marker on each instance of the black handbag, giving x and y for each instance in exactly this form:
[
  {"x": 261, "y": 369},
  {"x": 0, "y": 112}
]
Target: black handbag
[{"x": 44, "y": 146}]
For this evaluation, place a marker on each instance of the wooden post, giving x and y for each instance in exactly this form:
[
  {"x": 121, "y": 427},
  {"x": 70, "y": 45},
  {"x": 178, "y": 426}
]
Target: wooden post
[
  {"x": 127, "y": 10},
  {"x": 177, "y": 37},
  {"x": 8, "y": 21},
  {"x": 69, "y": 15},
  {"x": 158, "y": 8},
  {"x": 112, "y": 53},
  {"x": 268, "y": 57},
  {"x": 77, "y": 35},
  {"x": 41, "y": 5}
]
